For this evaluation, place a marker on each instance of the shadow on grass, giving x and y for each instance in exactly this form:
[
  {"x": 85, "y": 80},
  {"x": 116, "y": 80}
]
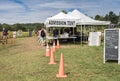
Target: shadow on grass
[
  {"x": 67, "y": 73},
  {"x": 112, "y": 61},
  {"x": 70, "y": 43}
]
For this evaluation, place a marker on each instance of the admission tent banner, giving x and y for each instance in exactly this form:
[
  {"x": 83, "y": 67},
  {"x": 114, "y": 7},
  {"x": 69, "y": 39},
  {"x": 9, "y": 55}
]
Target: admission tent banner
[{"x": 61, "y": 20}]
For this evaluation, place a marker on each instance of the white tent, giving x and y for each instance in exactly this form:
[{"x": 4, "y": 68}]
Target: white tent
[
  {"x": 85, "y": 20},
  {"x": 71, "y": 20},
  {"x": 61, "y": 20}
]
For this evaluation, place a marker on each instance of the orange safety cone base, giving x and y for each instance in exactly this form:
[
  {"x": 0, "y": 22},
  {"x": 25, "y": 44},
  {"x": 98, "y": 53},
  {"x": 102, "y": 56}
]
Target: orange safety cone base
[
  {"x": 58, "y": 47},
  {"x": 47, "y": 56},
  {"x": 52, "y": 63},
  {"x": 47, "y": 52},
  {"x": 61, "y": 76},
  {"x": 53, "y": 49}
]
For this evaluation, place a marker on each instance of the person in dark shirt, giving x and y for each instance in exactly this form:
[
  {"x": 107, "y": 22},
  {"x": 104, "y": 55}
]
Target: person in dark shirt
[
  {"x": 4, "y": 36},
  {"x": 55, "y": 32},
  {"x": 42, "y": 36}
]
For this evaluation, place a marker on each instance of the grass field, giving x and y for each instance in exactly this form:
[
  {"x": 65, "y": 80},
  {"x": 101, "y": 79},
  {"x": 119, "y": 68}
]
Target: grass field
[{"x": 25, "y": 61}]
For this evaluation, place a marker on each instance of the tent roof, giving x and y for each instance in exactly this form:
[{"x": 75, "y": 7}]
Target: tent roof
[
  {"x": 61, "y": 16},
  {"x": 85, "y": 19},
  {"x": 76, "y": 17}
]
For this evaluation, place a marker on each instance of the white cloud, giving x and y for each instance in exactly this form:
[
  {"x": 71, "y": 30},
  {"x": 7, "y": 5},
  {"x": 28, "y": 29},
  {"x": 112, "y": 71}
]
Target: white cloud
[
  {"x": 11, "y": 7},
  {"x": 31, "y": 17},
  {"x": 11, "y": 12},
  {"x": 57, "y": 4},
  {"x": 63, "y": 4}
]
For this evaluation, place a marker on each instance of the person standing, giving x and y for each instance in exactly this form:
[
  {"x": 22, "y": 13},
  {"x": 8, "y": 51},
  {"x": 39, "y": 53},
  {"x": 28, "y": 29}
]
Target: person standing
[
  {"x": 55, "y": 32},
  {"x": 4, "y": 36},
  {"x": 42, "y": 36}
]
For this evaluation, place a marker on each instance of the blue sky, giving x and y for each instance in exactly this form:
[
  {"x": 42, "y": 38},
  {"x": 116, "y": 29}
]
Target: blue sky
[{"x": 36, "y": 11}]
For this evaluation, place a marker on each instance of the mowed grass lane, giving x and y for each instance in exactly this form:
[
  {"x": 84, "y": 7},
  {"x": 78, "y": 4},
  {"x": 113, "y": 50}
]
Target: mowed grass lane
[{"x": 26, "y": 61}]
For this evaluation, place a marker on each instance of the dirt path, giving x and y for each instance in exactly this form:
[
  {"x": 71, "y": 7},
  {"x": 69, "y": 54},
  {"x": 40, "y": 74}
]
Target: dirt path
[
  {"x": 29, "y": 44},
  {"x": 21, "y": 45}
]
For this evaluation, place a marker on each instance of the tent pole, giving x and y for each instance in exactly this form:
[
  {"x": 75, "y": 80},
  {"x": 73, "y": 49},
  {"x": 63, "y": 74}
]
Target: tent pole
[
  {"x": 46, "y": 34},
  {"x": 81, "y": 35},
  {"x": 73, "y": 30},
  {"x": 73, "y": 35},
  {"x": 90, "y": 28},
  {"x": 85, "y": 33}
]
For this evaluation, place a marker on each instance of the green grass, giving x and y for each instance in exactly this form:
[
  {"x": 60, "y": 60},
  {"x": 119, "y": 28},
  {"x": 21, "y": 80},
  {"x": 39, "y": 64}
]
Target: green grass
[{"x": 25, "y": 61}]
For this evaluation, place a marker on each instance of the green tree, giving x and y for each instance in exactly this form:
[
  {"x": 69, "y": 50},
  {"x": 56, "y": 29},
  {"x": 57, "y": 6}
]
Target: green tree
[
  {"x": 6, "y": 26},
  {"x": 98, "y": 17},
  {"x": 0, "y": 27},
  {"x": 107, "y": 17},
  {"x": 113, "y": 17},
  {"x": 64, "y": 11},
  {"x": 18, "y": 26}
]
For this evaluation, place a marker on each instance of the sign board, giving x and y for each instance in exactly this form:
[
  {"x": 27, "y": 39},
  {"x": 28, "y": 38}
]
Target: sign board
[
  {"x": 94, "y": 38},
  {"x": 111, "y": 44},
  {"x": 19, "y": 33},
  {"x": 61, "y": 23},
  {"x": 14, "y": 34}
]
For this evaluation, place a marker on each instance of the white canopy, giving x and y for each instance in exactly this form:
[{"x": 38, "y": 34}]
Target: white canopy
[
  {"x": 72, "y": 19},
  {"x": 85, "y": 20}
]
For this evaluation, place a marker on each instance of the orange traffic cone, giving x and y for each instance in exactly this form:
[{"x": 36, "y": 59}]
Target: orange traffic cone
[
  {"x": 54, "y": 48},
  {"x": 61, "y": 73},
  {"x": 58, "y": 45},
  {"x": 47, "y": 51},
  {"x": 52, "y": 59}
]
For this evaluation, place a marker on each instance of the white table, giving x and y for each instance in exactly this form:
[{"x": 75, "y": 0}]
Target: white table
[{"x": 70, "y": 37}]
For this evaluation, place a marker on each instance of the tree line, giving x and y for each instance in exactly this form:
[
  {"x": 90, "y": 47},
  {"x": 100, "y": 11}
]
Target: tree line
[
  {"x": 111, "y": 16},
  {"x": 23, "y": 27}
]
